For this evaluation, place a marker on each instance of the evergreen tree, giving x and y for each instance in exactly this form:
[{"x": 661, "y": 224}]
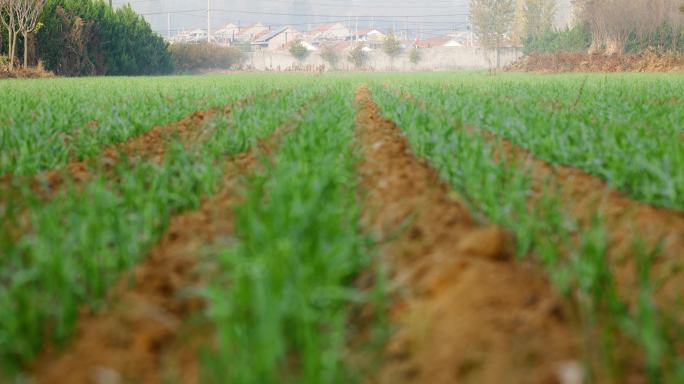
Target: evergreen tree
[{"x": 86, "y": 37}]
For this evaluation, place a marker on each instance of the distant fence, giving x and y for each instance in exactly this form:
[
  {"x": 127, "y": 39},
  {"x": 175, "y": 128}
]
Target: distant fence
[{"x": 432, "y": 59}]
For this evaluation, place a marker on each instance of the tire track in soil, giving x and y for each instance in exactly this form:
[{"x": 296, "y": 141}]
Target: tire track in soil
[
  {"x": 465, "y": 310},
  {"x": 145, "y": 334}
]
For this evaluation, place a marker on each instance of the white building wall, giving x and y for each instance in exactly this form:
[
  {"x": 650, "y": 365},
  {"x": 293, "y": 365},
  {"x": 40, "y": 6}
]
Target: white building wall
[{"x": 433, "y": 59}]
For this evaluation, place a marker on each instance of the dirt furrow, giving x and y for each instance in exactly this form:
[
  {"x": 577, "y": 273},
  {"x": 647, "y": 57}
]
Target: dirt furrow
[
  {"x": 626, "y": 220},
  {"x": 150, "y": 145},
  {"x": 151, "y": 329},
  {"x": 583, "y": 196},
  {"x": 464, "y": 310}
]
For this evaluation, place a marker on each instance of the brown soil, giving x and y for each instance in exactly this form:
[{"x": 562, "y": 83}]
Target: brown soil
[
  {"x": 150, "y": 145},
  {"x": 129, "y": 339},
  {"x": 582, "y": 196},
  {"x": 583, "y": 62},
  {"x": 625, "y": 219},
  {"x": 144, "y": 334},
  {"x": 465, "y": 311}
]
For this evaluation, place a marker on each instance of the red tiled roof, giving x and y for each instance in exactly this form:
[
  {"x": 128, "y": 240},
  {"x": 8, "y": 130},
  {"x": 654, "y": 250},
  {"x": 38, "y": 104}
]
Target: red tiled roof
[{"x": 323, "y": 28}]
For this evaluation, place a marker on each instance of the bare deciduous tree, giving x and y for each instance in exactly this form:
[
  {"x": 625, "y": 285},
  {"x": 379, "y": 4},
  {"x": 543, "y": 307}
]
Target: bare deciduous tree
[
  {"x": 612, "y": 21},
  {"x": 8, "y": 17},
  {"x": 28, "y": 12},
  {"x": 492, "y": 20},
  {"x": 539, "y": 16}
]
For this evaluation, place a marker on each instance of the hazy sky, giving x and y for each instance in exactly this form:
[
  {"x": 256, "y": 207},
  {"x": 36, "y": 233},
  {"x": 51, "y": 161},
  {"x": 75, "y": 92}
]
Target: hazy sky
[{"x": 431, "y": 17}]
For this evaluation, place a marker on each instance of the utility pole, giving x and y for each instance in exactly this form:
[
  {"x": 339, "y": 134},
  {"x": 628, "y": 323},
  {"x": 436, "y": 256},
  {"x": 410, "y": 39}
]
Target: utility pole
[
  {"x": 356, "y": 29},
  {"x": 208, "y": 21},
  {"x": 168, "y": 25}
]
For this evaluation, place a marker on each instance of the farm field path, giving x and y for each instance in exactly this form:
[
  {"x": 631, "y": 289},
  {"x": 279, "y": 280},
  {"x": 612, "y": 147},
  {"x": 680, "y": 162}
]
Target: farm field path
[
  {"x": 150, "y": 331},
  {"x": 464, "y": 309}
]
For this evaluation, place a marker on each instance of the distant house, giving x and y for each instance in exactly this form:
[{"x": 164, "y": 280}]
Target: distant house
[
  {"x": 438, "y": 41},
  {"x": 277, "y": 39},
  {"x": 196, "y": 36},
  {"x": 251, "y": 33},
  {"x": 372, "y": 37},
  {"x": 329, "y": 32},
  {"x": 226, "y": 34}
]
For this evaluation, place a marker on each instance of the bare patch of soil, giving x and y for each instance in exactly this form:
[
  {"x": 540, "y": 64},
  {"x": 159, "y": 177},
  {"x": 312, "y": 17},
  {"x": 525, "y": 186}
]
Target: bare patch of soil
[
  {"x": 648, "y": 61},
  {"x": 464, "y": 310}
]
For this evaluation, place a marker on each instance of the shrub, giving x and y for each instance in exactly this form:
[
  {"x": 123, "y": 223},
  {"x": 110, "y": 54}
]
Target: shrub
[
  {"x": 391, "y": 46},
  {"x": 330, "y": 56},
  {"x": 576, "y": 39},
  {"x": 358, "y": 56},
  {"x": 188, "y": 57},
  {"x": 299, "y": 51},
  {"x": 415, "y": 56}
]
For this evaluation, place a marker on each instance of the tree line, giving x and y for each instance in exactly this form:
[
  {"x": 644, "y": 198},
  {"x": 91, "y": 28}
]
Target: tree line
[
  {"x": 82, "y": 38},
  {"x": 610, "y": 26}
]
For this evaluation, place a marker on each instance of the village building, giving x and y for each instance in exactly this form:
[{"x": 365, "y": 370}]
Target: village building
[
  {"x": 371, "y": 37},
  {"x": 438, "y": 41},
  {"x": 329, "y": 32},
  {"x": 251, "y": 33},
  {"x": 226, "y": 34},
  {"x": 277, "y": 39}
]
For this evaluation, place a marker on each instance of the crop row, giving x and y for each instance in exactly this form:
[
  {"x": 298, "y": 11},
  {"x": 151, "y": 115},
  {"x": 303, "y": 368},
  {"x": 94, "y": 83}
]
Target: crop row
[
  {"x": 281, "y": 304},
  {"x": 626, "y": 129},
  {"x": 67, "y": 252},
  {"x": 574, "y": 253},
  {"x": 46, "y": 124}
]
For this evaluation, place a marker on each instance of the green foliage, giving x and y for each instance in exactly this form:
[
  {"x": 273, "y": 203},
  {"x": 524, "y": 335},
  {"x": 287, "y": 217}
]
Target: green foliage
[
  {"x": 47, "y": 273},
  {"x": 391, "y": 46},
  {"x": 575, "y": 39},
  {"x": 415, "y": 56},
  {"x": 330, "y": 56},
  {"x": 612, "y": 136},
  {"x": 578, "y": 39},
  {"x": 299, "y": 51},
  {"x": 74, "y": 118},
  {"x": 664, "y": 38},
  {"x": 85, "y": 37},
  {"x": 194, "y": 57},
  {"x": 358, "y": 56},
  {"x": 282, "y": 303}
]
